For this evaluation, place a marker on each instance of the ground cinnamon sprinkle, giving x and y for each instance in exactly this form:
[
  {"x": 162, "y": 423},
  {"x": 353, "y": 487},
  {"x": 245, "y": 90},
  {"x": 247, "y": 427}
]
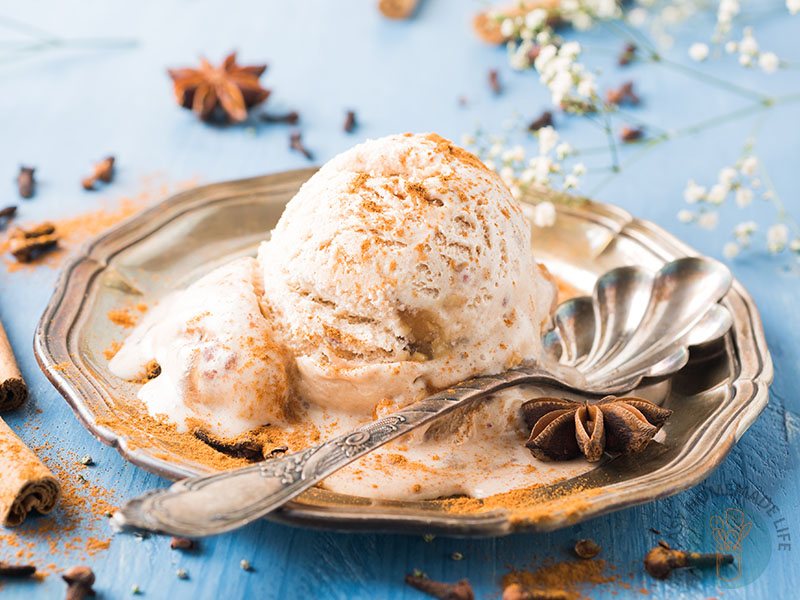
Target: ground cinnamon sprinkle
[
  {"x": 571, "y": 576},
  {"x": 122, "y": 317},
  {"x": 112, "y": 350},
  {"x": 73, "y": 231}
]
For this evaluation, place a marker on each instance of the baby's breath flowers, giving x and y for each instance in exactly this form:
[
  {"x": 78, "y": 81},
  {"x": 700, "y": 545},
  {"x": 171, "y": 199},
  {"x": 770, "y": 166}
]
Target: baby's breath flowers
[{"x": 740, "y": 183}]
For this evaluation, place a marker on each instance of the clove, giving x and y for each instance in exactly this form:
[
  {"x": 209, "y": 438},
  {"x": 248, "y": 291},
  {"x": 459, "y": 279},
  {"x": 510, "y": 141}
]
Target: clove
[
  {"x": 543, "y": 120},
  {"x": 152, "y": 370},
  {"x": 28, "y": 244},
  {"x": 16, "y": 571},
  {"x": 494, "y": 82},
  {"x": 8, "y": 213},
  {"x": 624, "y": 94},
  {"x": 103, "y": 171},
  {"x": 181, "y": 543},
  {"x": 296, "y": 143},
  {"x": 662, "y": 560},
  {"x": 246, "y": 447},
  {"x": 631, "y": 134},
  {"x": 515, "y": 591},
  {"x": 79, "y": 583},
  {"x": 628, "y": 55},
  {"x": 292, "y": 118},
  {"x": 350, "y": 121},
  {"x": 460, "y": 590},
  {"x": 26, "y": 182}
]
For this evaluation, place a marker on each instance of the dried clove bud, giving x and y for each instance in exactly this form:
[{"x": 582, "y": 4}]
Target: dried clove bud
[
  {"x": 515, "y": 591},
  {"x": 631, "y": 134},
  {"x": 662, "y": 560},
  {"x": 461, "y": 590},
  {"x": 543, "y": 120},
  {"x": 26, "y": 182},
  {"x": 276, "y": 451},
  {"x": 494, "y": 82},
  {"x": 245, "y": 447},
  {"x": 628, "y": 55},
  {"x": 587, "y": 548},
  {"x": 26, "y": 245},
  {"x": 8, "y": 213},
  {"x": 292, "y": 118},
  {"x": 79, "y": 583},
  {"x": 350, "y": 121},
  {"x": 296, "y": 143},
  {"x": 103, "y": 171},
  {"x": 181, "y": 543},
  {"x": 16, "y": 571},
  {"x": 624, "y": 94}
]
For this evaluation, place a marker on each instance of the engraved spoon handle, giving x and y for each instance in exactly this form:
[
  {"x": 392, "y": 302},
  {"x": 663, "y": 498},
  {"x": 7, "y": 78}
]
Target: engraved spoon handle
[{"x": 213, "y": 504}]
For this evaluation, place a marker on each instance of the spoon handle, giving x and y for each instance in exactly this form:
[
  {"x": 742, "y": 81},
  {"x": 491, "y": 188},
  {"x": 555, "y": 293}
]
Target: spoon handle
[{"x": 213, "y": 504}]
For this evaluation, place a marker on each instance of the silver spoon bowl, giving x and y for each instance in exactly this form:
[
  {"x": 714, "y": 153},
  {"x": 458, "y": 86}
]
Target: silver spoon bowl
[{"x": 636, "y": 325}]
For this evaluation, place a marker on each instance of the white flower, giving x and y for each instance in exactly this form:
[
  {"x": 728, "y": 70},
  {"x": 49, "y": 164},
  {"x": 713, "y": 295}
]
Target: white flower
[
  {"x": 467, "y": 139},
  {"x": 507, "y": 28},
  {"x": 579, "y": 169},
  {"x": 507, "y": 175},
  {"x": 685, "y": 216},
  {"x": 727, "y": 176},
  {"x": 517, "y": 153},
  {"x": 727, "y": 10},
  {"x": 638, "y": 16},
  {"x": 535, "y": 18},
  {"x": 562, "y": 150},
  {"x": 495, "y": 150},
  {"x": 570, "y": 50},
  {"x": 571, "y": 181},
  {"x": 708, "y": 220},
  {"x": 749, "y": 166},
  {"x": 547, "y": 139},
  {"x": 769, "y": 62},
  {"x": 730, "y": 250},
  {"x": 527, "y": 175},
  {"x": 794, "y": 245},
  {"x": 544, "y": 214},
  {"x": 586, "y": 86},
  {"x": 694, "y": 193},
  {"x": 793, "y": 6},
  {"x": 748, "y": 45},
  {"x": 516, "y": 193},
  {"x": 744, "y": 197},
  {"x": 777, "y": 236},
  {"x": 731, "y": 47},
  {"x": 743, "y": 231},
  {"x": 698, "y": 51},
  {"x": 745, "y": 60},
  {"x": 489, "y": 164},
  {"x": 718, "y": 193}
]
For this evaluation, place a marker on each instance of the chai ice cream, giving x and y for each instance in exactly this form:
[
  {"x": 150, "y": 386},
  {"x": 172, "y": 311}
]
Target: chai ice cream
[{"x": 400, "y": 268}]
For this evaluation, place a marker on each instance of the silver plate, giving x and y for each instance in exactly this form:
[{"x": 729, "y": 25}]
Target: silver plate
[{"x": 716, "y": 397}]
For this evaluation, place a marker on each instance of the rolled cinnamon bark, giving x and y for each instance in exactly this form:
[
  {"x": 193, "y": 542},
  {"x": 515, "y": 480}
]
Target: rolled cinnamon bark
[
  {"x": 25, "y": 483},
  {"x": 13, "y": 391}
]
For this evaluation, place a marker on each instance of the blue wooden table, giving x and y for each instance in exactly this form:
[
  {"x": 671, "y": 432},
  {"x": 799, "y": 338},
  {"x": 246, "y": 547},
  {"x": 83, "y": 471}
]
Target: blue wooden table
[{"x": 65, "y": 106}]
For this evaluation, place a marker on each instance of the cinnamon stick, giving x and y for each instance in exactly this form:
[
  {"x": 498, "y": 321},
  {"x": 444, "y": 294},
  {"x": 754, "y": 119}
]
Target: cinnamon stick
[
  {"x": 26, "y": 484},
  {"x": 13, "y": 391}
]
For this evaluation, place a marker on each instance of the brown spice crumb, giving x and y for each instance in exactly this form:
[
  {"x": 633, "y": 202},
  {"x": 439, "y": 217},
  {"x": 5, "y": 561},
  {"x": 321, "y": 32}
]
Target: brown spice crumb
[
  {"x": 567, "y": 577},
  {"x": 587, "y": 548},
  {"x": 152, "y": 370},
  {"x": 516, "y": 592},
  {"x": 494, "y": 82},
  {"x": 292, "y": 118},
  {"x": 244, "y": 446},
  {"x": 112, "y": 350},
  {"x": 543, "y": 120},
  {"x": 461, "y": 590},
  {"x": 296, "y": 143},
  {"x": 350, "y": 122},
  {"x": 631, "y": 134},
  {"x": 624, "y": 94},
  {"x": 103, "y": 171},
  {"x": 181, "y": 543},
  {"x": 26, "y": 182}
]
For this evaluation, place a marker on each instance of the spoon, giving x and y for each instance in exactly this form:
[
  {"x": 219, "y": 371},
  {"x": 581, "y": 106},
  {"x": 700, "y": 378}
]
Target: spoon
[{"x": 635, "y": 325}]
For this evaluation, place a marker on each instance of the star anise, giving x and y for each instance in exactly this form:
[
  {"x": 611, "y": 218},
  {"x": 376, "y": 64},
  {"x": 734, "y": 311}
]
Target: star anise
[
  {"x": 225, "y": 92},
  {"x": 562, "y": 429}
]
